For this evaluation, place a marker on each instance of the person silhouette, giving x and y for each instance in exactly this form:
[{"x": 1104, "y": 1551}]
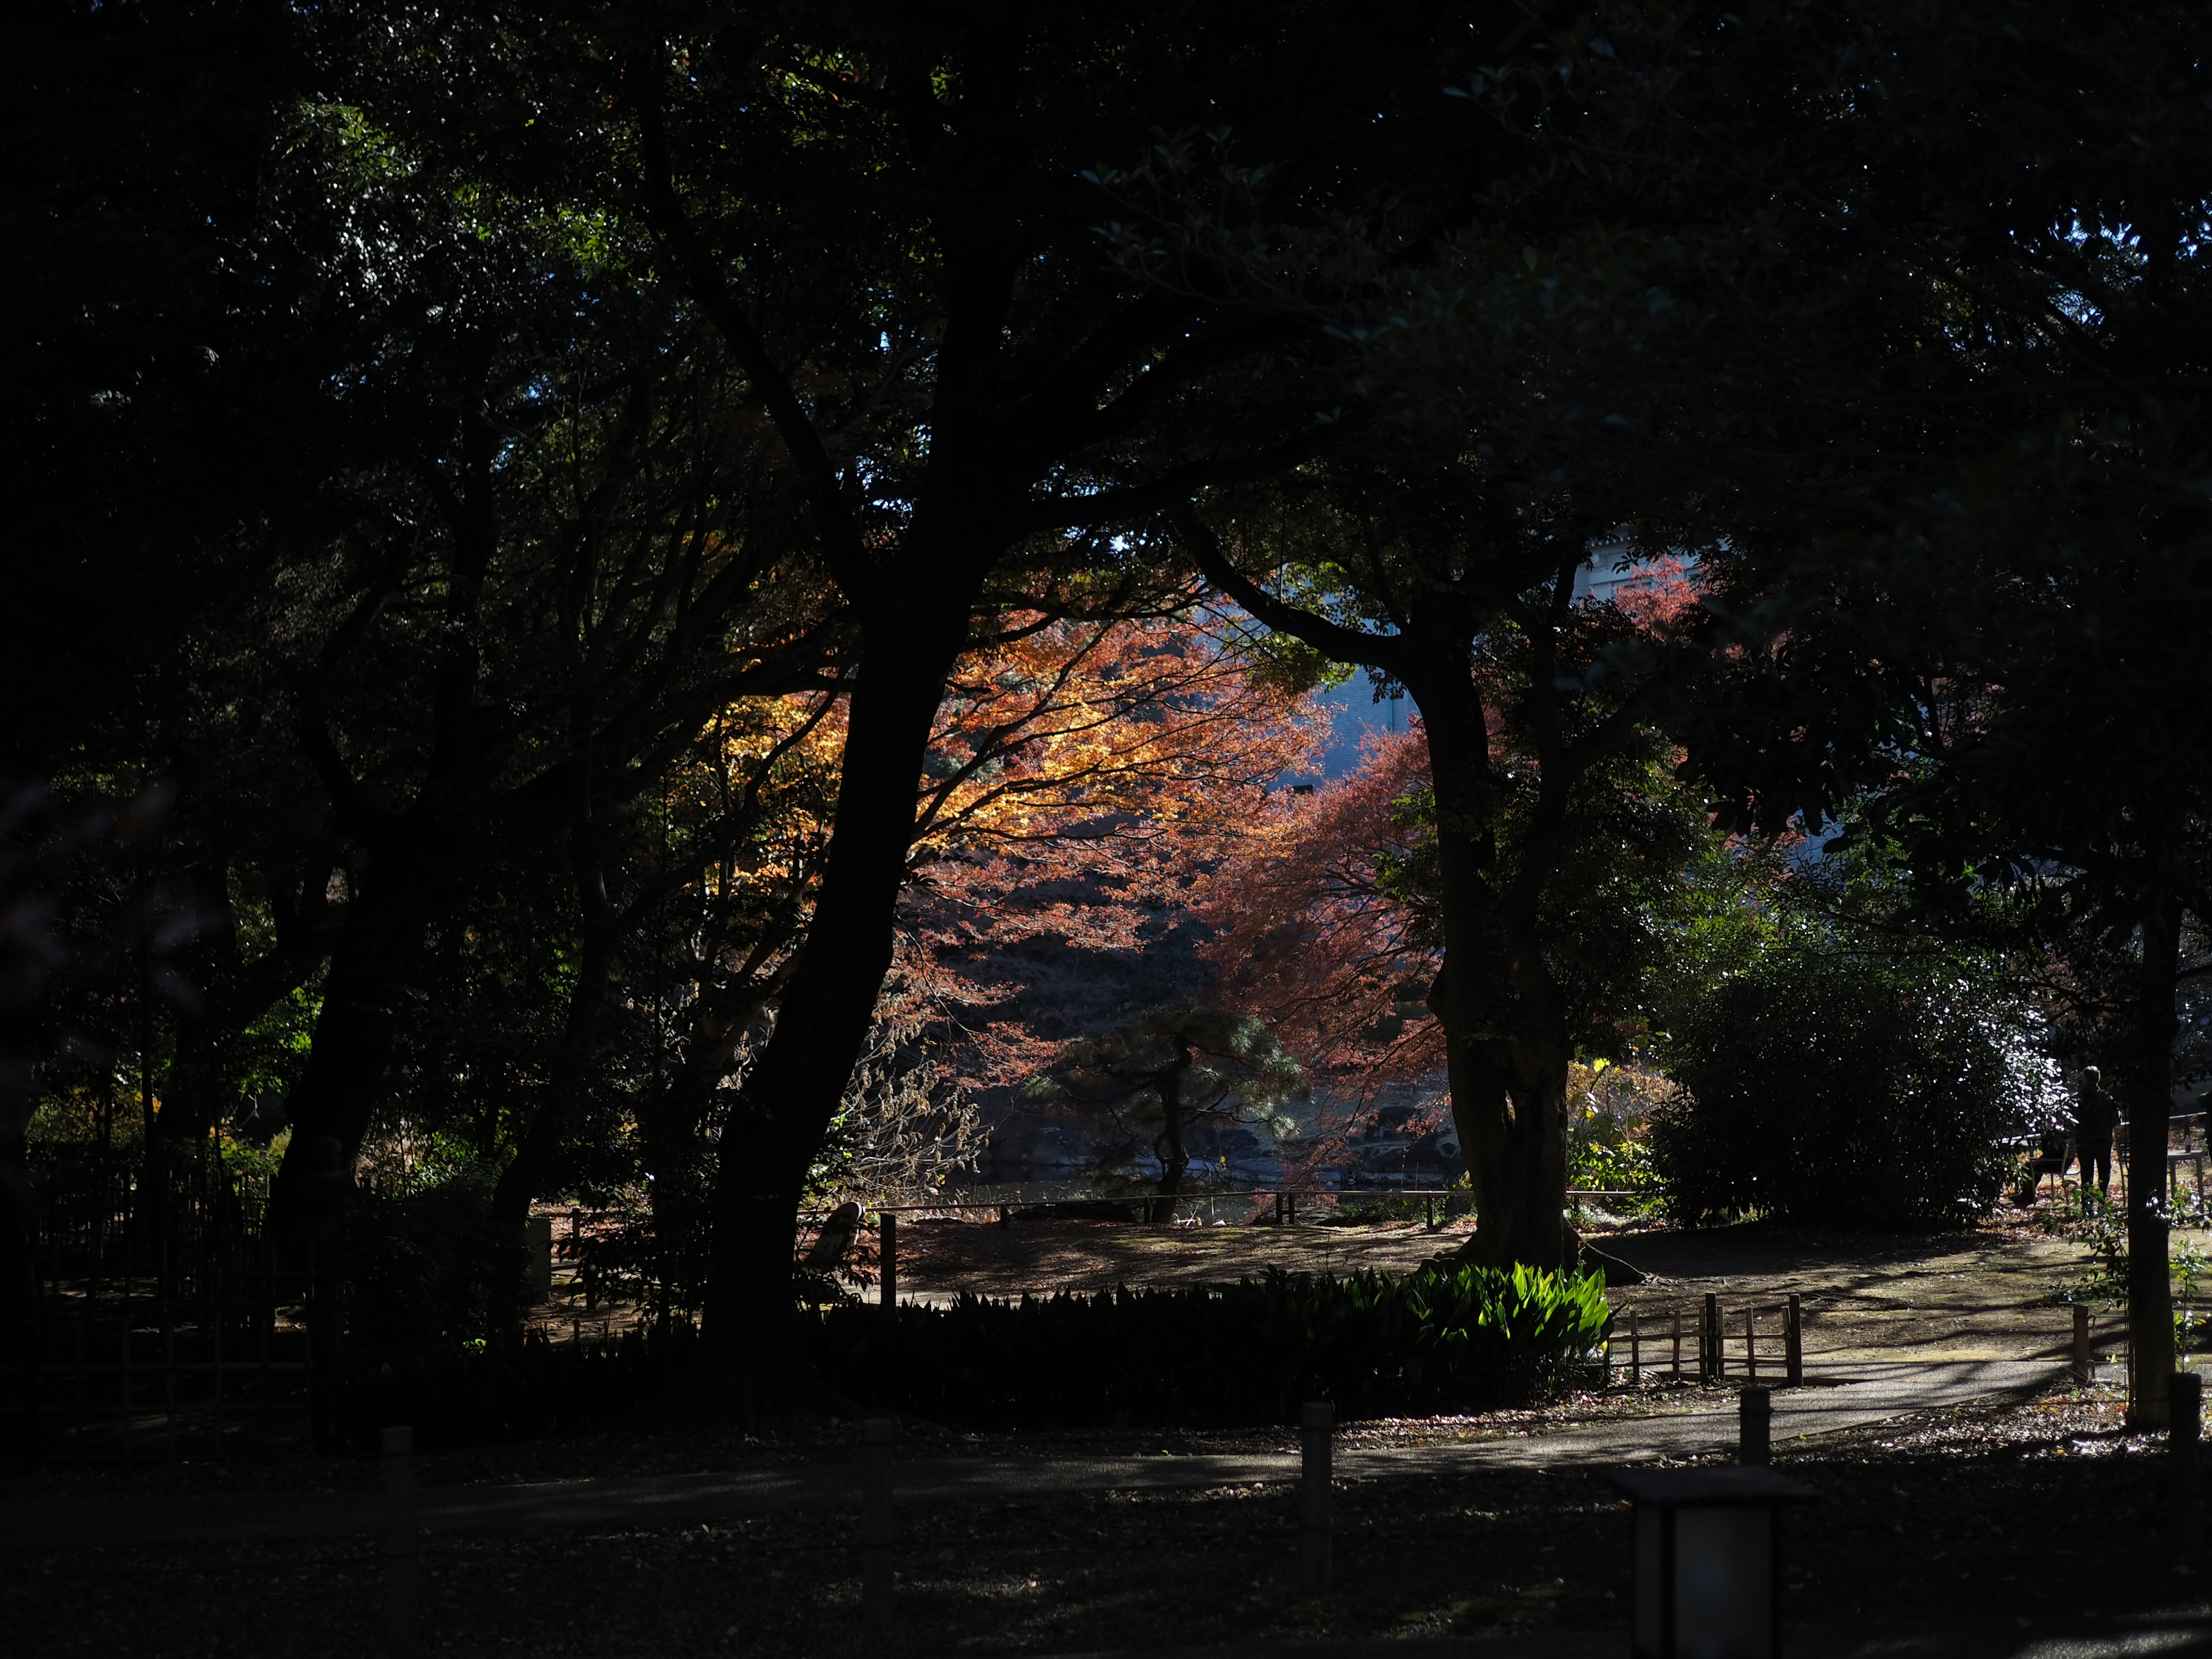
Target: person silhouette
[{"x": 2094, "y": 1119}]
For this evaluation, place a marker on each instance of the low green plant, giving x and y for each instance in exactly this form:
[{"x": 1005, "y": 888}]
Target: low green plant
[{"x": 1442, "y": 1339}]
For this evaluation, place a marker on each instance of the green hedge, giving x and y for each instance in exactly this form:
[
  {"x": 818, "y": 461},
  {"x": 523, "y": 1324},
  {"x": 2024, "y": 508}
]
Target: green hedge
[
  {"x": 1249, "y": 1352},
  {"x": 1377, "y": 1345},
  {"x": 1844, "y": 1090}
]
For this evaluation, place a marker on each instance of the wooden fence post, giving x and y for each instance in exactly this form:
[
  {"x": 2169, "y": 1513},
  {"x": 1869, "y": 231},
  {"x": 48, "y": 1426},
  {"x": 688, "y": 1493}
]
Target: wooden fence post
[
  {"x": 2185, "y": 1407},
  {"x": 1750, "y": 1342},
  {"x": 1635, "y": 1351},
  {"x": 887, "y": 1258},
  {"x": 876, "y": 1525},
  {"x": 2085, "y": 1369},
  {"x": 1713, "y": 1363},
  {"x": 1314, "y": 1552},
  {"x": 1678, "y": 1343},
  {"x": 1754, "y": 1426},
  {"x": 403, "y": 1560},
  {"x": 1793, "y": 1345}
]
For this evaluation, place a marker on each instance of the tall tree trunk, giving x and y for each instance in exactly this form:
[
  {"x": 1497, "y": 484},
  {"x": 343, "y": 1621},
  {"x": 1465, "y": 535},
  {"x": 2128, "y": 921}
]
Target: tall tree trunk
[
  {"x": 18, "y": 1272},
  {"x": 526, "y": 1173},
  {"x": 1506, "y": 1043},
  {"x": 371, "y": 960},
  {"x": 793, "y": 1091},
  {"x": 2150, "y": 1100},
  {"x": 1174, "y": 1156}
]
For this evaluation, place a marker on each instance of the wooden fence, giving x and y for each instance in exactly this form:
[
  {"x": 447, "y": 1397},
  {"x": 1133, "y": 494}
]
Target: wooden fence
[{"x": 166, "y": 1320}]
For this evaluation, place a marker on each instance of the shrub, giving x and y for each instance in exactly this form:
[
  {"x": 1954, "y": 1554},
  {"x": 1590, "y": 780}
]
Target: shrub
[
  {"x": 432, "y": 1285},
  {"x": 501, "y": 1390},
  {"x": 1248, "y": 1353},
  {"x": 1354, "y": 1210},
  {"x": 1844, "y": 1090}
]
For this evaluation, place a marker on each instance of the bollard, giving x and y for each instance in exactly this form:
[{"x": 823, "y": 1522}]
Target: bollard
[
  {"x": 1315, "y": 1424},
  {"x": 1711, "y": 1366},
  {"x": 1294, "y": 1208},
  {"x": 887, "y": 1257},
  {"x": 2184, "y": 1431},
  {"x": 1678, "y": 1345},
  {"x": 403, "y": 1560},
  {"x": 2085, "y": 1368},
  {"x": 876, "y": 1434},
  {"x": 1755, "y": 1426},
  {"x": 1750, "y": 1344},
  {"x": 538, "y": 1242},
  {"x": 1635, "y": 1352},
  {"x": 1793, "y": 1345}
]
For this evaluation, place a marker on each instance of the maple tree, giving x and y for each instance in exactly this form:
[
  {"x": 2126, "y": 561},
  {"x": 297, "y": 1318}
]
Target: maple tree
[
  {"x": 1531, "y": 705},
  {"x": 1080, "y": 769}
]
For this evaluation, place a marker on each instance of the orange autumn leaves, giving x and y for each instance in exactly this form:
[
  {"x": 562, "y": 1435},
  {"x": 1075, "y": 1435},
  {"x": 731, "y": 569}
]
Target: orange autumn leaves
[{"x": 1083, "y": 777}]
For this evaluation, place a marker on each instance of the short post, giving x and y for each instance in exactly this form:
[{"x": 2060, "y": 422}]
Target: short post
[
  {"x": 1279, "y": 1209},
  {"x": 403, "y": 1560},
  {"x": 2085, "y": 1369},
  {"x": 1315, "y": 1424},
  {"x": 1793, "y": 1345},
  {"x": 1429, "y": 1212},
  {"x": 1750, "y": 1343},
  {"x": 876, "y": 1436},
  {"x": 1755, "y": 1426},
  {"x": 1678, "y": 1345},
  {"x": 1293, "y": 1197},
  {"x": 1635, "y": 1351},
  {"x": 1710, "y": 1365},
  {"x": 887, "y": 1257},
  {"x": 2183, "y": 1435},
  {"x": 537, "y": 1242}
]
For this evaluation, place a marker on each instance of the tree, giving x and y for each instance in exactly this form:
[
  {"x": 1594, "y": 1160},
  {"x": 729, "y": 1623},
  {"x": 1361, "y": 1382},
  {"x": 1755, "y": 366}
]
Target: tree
[
  {"x": 1078, "y": 771},
  {"x": 1999, "y": 640},
  {"x": 1327, "y": 912},
  {"x": 1527, "y": 699},
  {"x": 1172, "y": 1071},
  {"x": 886, "y": 221}
]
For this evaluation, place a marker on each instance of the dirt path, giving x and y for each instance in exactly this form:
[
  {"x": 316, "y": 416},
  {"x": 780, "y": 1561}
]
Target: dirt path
[{"x": 1986, "y": 1295}]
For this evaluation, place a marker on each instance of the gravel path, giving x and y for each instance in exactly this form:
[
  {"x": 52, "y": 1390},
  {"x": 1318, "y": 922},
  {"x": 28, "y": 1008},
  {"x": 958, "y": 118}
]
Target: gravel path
[{"x": 1836, "y": 1397}]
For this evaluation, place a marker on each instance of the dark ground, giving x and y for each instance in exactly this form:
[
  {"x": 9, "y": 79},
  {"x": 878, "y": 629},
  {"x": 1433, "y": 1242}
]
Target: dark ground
[{"x": 1986, "y": 1527}]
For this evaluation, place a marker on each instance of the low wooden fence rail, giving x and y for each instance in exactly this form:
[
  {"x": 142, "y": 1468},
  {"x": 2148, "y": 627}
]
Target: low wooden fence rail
[{"x": 1767, "y": 1341}]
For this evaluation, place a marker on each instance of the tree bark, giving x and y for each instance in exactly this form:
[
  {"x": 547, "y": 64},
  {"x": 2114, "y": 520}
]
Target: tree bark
[
  {"x": 337, "y": 1098},
  {"x": 525, "y": 1177},
  {"x": 1507, "y": 1048},
  {"x": 2150, "y": 1100},
  {"x": 793, "y": 1091},
  {"x": 1174, "y": 1157}
]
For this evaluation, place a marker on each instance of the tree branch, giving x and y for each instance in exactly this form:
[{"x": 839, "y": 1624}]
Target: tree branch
[
  {"x": 1332, "y": 640},
  {"x": 842, "y": 545}
]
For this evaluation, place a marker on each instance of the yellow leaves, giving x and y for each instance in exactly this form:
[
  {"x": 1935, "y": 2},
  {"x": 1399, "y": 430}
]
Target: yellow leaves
[{"x": 1130, "y": 728}]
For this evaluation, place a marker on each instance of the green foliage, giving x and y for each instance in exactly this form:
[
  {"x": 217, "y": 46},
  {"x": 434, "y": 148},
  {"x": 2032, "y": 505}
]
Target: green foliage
[
  {"x": 1172, "y": 1070},
  {"x": 432, "y": 1284},
  {"x": 1843, "y": 1087},
  {"x": 1249, "y": 1353},
  {"x": 1351, "y": 1212},
  {"x": 1625, "y": 1166},
  {"x": 1648, "y": 906}
]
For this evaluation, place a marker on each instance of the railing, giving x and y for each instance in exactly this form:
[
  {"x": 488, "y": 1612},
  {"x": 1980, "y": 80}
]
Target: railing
[
  {"x": 166, "y": 1318},
  {"x": 1712, "y": 1331}
]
